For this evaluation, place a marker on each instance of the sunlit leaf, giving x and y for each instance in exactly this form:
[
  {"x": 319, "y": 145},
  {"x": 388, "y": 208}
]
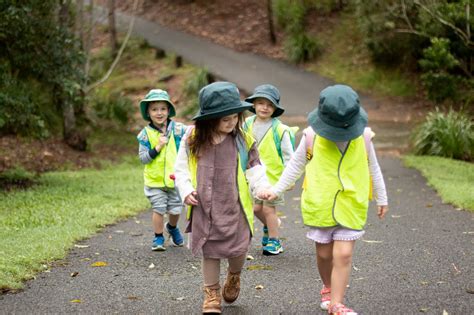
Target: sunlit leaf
[{"x": 99, "y": 264}]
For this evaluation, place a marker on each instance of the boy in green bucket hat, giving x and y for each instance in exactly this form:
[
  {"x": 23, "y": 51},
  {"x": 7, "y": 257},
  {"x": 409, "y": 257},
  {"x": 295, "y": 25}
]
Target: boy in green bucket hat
[
  {"x": 338, "y": 157},
  {"x": 275, "y": 142},
  {"x": 158, "y": 148}
]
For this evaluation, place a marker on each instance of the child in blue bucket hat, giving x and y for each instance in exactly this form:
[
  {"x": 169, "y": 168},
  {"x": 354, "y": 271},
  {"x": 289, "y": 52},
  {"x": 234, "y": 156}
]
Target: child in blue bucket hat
[
  {"x": 158, "y": 148},
  {"x": 275, "y": 142},
  {"x": 341, "y": 166},
  {"x": 217, "y": 169}
]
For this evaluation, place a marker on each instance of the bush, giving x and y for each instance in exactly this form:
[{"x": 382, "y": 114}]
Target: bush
[
  {"x": 301, "y": 47},
  {"x": 192, "y": 86},
  {"x": 113, "y": 107},
  {"x": 447, "y": 135}
]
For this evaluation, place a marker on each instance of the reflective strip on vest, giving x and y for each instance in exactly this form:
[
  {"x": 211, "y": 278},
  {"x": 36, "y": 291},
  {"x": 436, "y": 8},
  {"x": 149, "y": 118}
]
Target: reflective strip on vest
[
  {"x": 338, "y": 185},
  {"x": 245, "y": 197},
  {"x": 157, "y": 173}
]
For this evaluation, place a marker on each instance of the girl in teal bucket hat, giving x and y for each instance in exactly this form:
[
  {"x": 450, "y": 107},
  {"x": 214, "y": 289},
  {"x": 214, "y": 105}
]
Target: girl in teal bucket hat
[
  {"x": 217, "y": 168},
  {"x": 339, "y": 159},
  {"x": 158, "y": 148}
]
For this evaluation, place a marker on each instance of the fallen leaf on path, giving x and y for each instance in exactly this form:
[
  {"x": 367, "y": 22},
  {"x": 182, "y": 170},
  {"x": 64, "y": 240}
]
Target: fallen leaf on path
[
  {"x": 136, "y": 234},
  {"x": 396, "y": 216},
  {"x": 76, "y": 301},
  {"x": 371, "y": 241},
  {"x": 429, "y": 205},
  {"x": 424, "y": 309},
  {"x": 151, "y": 266},
  {"x": 250, "y": 257},
  {"x": 180, "y": 298},
  {"x": 119, "y": 231},
  {"x": 280, "y": 214},
  {"x": 259, "y": 287},
  {"x": 85, "y": 259},
  {"x": 358, "y": 279},
  {"x": 137, "y": 222},
  {"x": 424, "y": 282},
  {"x": 296, "y": 198},
  {"x": 355, "y": 268},
  {"x": 99, "y": 264},
  {"x": 133, "y": 298},
  {"x": 445, "y": 313},
  {"x": 81, "y": 246},
  {"x": 468, "y": 232},
  {"x": 73, "y": 274},
  {"x": 259, "y": 267},
  {"x": 456, "y": 268},
  {"x": 194, "y": 267}
]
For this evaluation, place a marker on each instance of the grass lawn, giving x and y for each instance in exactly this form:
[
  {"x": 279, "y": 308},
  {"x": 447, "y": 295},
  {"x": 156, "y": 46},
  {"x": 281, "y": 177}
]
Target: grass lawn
[
  {"x": 452, "y": 179},
  {"x": 347, "y": 60},
  {"x": 40, "y": 224}
]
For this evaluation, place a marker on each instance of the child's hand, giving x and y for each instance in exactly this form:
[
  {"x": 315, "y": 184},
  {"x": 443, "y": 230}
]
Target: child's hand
[
  {"x": 191, "y": 199},
  {"x": 262, "y": 194},
  {"x": 162, "y": 141},
  {"x": 381, "y": 211}
]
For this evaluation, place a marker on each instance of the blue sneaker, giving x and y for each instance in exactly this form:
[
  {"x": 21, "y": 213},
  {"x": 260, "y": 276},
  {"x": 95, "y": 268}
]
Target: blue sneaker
[
  {"x": 158, "y": 244},
  {"x": 175, "y": 236},
  {"x": 273, "y": 247},
  {"x": 265, "y": 236}
]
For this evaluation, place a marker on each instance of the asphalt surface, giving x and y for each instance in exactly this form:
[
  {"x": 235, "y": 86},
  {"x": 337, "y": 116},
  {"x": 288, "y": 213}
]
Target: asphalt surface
[{"x": 417, "y": 260}]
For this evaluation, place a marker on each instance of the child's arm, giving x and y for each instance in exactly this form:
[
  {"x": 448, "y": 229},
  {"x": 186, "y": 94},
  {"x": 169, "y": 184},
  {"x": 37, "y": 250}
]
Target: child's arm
[
  {"x": 286, "y": 148},
  {"x": 256, "y": 173},
  {"x": 183, "y": 175},
  {"x": 380, "y": 193},
  {"x": 145, "y": 152}
]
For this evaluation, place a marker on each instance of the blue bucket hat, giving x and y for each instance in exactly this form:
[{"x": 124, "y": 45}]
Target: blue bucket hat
[
  {"x": 220, "y": 99},
  {"x": 270, "y": 93},
  {"x": 339, "y": 116},
  {"x": 156, "y": 95}
]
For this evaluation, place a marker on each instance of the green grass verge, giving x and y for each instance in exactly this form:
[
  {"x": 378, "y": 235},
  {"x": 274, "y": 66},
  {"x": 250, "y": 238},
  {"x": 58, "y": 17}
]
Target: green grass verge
[
  {"x": 452, "y": 179},
  {"x": 39, "y": 225},
  {"x": 347, "y": 60}
]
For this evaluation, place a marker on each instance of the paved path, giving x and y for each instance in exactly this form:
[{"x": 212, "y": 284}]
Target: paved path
[{"x": 419, "y": 259}]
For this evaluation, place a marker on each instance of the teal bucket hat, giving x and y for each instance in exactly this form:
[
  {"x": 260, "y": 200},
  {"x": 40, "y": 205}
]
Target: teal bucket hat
[
  {"x": 220, "y": 99},
  {"x": 156, "y": 95},
  {"x": 339, "y": 116},
  {"x": 270, "y": 93}
]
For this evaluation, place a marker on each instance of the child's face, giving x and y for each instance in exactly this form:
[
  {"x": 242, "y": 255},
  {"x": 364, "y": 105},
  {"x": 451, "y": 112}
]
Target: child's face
[
  {"x": 158, "y": 112},
  {"x": 228, "y": 123},
  {"x": 263, "y": 108}
]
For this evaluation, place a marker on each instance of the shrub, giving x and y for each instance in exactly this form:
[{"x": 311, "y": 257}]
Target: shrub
[
  {"x": 192, "y": 86},
  {"x": 301, "y": 47},
  {"x": 113, "y": 107},
  {"x": 447, "y": 135}
]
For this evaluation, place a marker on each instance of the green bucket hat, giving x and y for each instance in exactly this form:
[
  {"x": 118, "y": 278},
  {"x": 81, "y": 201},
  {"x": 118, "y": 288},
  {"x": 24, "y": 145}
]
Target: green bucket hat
[
  {"x": 156, "y": 95},
  {"x": 220, "y": 99},
  {"x": 339, "y": 116},
  {"x": 270, "y": 93}
]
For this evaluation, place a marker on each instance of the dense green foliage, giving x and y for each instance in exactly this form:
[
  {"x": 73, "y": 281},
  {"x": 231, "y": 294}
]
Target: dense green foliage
[
  {"x": 63, "y": 208},
  {"x": 448, "y": 135},
  {"x": 41, "y": 67},
  {"x": 431, "y": 36},
  {"x": 452, "y": 179}
]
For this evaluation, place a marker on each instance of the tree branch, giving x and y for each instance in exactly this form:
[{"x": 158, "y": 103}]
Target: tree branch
[{"x": 119, "y": 54}]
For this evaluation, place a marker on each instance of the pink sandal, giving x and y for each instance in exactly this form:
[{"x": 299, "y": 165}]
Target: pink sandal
[
  {"x": 325, "y": 298},
  {"x": 340, "y": 309}
]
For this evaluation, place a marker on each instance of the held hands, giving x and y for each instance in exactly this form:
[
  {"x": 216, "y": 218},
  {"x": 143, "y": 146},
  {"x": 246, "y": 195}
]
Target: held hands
[
  {"x": 266, "y": 194},
  {"x": 191, "y": 199},
  {"x": 381, "y": 211}
]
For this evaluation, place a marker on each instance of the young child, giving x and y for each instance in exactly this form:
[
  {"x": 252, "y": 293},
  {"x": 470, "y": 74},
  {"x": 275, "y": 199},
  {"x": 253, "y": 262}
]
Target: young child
[
  {"x": 340, "y": 163},
  {"x": 215, "y": 161},
  {"x": 158, "y": 147},
  {"x": 275, "y": 146}
]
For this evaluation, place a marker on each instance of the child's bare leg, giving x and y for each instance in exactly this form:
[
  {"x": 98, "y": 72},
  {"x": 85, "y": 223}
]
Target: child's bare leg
[
  {"x": 210, "y": 272},
  {"x": 324, "y": 262},
  {"x": 342, "y": 261},
  {"x": 173, "y": 219},
  {"x": 258, "y": 211},
  {"x": 157, "y": 220},
  {"x": 272, "y": 221}
]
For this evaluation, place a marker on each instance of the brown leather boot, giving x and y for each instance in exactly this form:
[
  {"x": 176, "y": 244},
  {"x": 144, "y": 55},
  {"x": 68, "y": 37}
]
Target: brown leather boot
[
  {"x": 212, "y": 300},
  {"x": 231, "y": 290}
]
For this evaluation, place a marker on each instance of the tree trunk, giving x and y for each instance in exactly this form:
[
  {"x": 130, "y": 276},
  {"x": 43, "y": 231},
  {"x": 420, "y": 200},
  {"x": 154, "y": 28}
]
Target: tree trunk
[
  {"x": 112, "y": 28},
  {"x": 270, "y": 22},
  {"x": 80, "y": 22}
]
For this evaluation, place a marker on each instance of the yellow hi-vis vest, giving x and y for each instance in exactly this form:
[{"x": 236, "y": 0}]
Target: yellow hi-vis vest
[
  {"x": 157, "y": 173},
  {"x": 245, "y": 198},
  {"x": 337, "y": 187},
  {"x": 269, "y": 148}
]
